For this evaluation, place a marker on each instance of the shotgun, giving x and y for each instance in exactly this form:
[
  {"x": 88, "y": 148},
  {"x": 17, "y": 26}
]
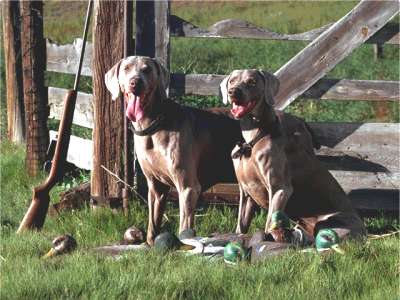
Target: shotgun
[{"x": 36, "y": 214}]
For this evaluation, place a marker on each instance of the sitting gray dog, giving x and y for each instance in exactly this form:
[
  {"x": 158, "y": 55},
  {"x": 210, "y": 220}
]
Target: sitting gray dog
[
  {"x": 276, "y": 166},
  {"x": 176, "y": 146}
]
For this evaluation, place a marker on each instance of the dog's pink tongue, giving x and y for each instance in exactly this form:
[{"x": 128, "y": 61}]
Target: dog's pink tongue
[
  {"x": 238, "y": 111},
  {"x": 134, "y": 110}
]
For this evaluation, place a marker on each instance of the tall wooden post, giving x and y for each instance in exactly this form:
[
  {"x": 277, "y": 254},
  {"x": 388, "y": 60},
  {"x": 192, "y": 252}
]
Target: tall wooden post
[
  {"x": 128, "y": 50},
  {"x": 35, "y": 95},
  {"x": 152, "y": 39},
  {"x": 108, "y": 41},
  {"x": 13, "y": 66}
]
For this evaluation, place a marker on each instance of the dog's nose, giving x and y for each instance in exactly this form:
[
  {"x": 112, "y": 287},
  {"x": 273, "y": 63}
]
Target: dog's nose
[
  {"x": 135, "y": 83},
  {"x": 235, "y": 93}
]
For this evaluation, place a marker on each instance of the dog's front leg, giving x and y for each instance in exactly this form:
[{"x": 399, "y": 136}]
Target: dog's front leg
[
  {"x": 278, "y": 198},
  {"x": 274, "y": 170},
  {"x": 189, "y": 190},
  {"x": 156, "y": 202},
  {"x": 246, "y": 212}
]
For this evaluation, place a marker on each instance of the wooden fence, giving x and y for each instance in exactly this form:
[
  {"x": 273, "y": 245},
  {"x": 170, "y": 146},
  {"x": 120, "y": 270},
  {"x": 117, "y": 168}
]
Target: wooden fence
[{"x": 363, "y": 157}]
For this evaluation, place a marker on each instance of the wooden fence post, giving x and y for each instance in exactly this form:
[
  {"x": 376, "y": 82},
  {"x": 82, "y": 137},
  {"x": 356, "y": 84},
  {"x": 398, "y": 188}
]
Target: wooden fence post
[
  {"x": 35, "y": 95},
  {"x": 108, "y": 41},
  {"x": 13, "y": 66}
]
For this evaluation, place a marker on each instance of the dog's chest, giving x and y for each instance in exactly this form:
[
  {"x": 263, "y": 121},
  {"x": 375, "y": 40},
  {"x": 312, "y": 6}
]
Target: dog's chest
[
  {"x": 249, "y": 179},
  {"x": 155, "y": 157}
]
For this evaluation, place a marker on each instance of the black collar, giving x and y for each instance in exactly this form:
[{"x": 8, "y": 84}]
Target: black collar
[
  {"x": 154, "y": 126},
  {"x": 245, "y": 148}
]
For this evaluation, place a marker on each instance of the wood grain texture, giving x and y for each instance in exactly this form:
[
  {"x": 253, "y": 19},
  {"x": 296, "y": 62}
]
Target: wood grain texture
[
  {"x": 338, "y": 89},
  {"x": 331, "y": 47},
  {"x": 232, "y": 28},
  {"x": 108, "y": 49},
  {"x": 162, "y": 31},
  {"x": 35, "y": 97},
  {"x": 13, "y": 71}
]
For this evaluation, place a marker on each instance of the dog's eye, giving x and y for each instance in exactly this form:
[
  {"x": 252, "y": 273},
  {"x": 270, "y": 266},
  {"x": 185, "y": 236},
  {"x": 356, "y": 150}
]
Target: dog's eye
[
  {"x": 146, "y": 69},
  {"x": 126, "y": 68}
]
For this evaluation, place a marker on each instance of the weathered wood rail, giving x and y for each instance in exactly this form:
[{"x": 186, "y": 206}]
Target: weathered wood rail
[
  {"x": 231, "y": 28},
  {"x": 363, "y": 157}
]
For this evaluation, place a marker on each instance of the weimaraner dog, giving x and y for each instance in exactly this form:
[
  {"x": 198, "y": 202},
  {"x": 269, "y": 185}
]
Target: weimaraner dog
[
  {"x": 276, "y": 166},
  {"x": 176, "y": 146}
]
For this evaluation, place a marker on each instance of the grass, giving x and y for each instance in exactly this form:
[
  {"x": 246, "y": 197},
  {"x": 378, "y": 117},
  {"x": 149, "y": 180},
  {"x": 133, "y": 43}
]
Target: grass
[{"x": 367, "y": 271}]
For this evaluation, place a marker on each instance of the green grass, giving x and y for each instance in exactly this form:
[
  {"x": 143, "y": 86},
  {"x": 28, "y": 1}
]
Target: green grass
[{"x": 367, "y": 271}]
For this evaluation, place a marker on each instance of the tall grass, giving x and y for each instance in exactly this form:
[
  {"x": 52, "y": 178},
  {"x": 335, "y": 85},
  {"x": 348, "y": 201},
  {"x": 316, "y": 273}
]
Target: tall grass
[{"x": 367, "y": 271}]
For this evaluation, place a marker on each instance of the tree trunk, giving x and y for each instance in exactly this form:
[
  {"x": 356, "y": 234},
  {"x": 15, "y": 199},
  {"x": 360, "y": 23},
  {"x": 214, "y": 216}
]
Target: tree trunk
[
  {"x": 13, "y": 66},
  {"x": 108, "y": 40},
  {"x": 35, "y": 95}
]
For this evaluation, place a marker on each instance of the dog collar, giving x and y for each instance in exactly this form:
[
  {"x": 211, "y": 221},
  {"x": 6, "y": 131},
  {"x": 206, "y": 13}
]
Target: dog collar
[
  {"x": 152, "y": 128},
  {"x": 246, "y": 148}
]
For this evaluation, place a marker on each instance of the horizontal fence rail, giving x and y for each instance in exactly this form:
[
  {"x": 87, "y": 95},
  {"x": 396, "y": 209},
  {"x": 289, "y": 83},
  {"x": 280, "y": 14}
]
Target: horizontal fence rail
[
  {"x": 231, "y": 28},
  {"x": 64, "y": 59}
]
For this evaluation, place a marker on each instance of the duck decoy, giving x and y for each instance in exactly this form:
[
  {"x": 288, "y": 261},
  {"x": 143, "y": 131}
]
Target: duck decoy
[
  {"x": 327, "y": 239},
  {"x": 61, "y": 245}
]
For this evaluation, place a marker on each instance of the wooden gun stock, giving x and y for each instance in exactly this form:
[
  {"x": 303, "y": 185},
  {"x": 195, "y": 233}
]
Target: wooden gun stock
[{"x": 36, "y": 214}]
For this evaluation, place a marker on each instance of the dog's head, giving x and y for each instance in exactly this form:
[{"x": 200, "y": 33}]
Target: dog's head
[
  {"x": 140, "y": 79},
  {"x": 244, "y": 89}
]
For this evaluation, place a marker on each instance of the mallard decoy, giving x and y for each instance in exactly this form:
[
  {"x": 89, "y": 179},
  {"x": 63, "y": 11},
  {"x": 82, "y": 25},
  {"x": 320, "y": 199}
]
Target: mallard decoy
[
  {"x": 328, "y": 239},
  {"x": 279, "y": 220},
  {"x": 61, "y": 244},
  {"x": 235, "y": 252},
  {"x": 133, "y": 235},
  {"x": 280, "y": 227}
]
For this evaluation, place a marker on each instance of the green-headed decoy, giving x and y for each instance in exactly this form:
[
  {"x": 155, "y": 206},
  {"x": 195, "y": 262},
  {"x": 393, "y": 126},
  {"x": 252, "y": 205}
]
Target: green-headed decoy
[
  {"x": 235, "y": 252},
  {"x": 166, "y": 241},
  {"x": 279, "y": 220},
  {"x": 280, "y": 227},
  {"x": 328, "y": 239},
  {"x": 61, "y": 245}
]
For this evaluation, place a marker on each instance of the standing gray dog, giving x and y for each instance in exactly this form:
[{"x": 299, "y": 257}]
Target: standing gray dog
[
  {"x": 276, "y": 166},
  {"x": 176, "y": 146}
]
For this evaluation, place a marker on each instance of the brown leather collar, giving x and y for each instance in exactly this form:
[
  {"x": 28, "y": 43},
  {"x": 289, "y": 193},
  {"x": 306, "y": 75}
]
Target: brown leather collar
[
  {"x": 246, "y": 148},
  {"x": 158, "y": 122}
]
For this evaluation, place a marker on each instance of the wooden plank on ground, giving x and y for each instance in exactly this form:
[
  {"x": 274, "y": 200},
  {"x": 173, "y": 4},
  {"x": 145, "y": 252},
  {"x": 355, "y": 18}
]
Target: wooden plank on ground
[
  {"x": 331, "y": 47},
  {"x": 338, "y": 89},
  {"x": 83, "y": 115},
  {"x": 80, "y": 151},
  {"x": 65, "y": 58},
  {"x": 232, "y": 28}
]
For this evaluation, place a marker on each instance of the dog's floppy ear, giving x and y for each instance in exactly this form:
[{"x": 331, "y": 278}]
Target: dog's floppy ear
[
  {"x": 223, "y": 89},
  {"x": 271, "y": 86},
  {"x": 112, "y": 82},
  {"x": 163, "y": 78}
]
